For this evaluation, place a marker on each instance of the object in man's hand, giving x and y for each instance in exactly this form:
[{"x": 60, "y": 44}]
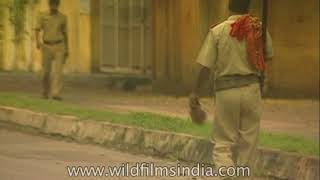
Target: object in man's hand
[{"x": 198, "y": 115}]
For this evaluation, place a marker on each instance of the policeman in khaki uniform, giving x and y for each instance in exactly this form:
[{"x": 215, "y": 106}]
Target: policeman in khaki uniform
[
  {"x": 54, "y": 47},
  {"x": 238, "y": 102}
]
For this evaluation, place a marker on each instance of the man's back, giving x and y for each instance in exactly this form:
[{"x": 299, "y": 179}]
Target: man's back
[
  {"x": 226, "y": 54},
  {"x": 234, "y": 50}
]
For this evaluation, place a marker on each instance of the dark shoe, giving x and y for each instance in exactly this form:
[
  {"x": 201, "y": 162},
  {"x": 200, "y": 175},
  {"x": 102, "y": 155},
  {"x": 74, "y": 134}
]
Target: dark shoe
[{"x": 57, "y": 98}]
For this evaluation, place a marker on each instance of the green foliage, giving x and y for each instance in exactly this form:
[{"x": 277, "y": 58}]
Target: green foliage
[{"x": 18, "y": 18}]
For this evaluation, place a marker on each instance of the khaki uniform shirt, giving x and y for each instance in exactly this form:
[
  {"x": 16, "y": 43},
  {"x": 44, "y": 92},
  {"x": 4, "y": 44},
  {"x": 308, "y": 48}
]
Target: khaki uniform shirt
[
  {"x": 225, "y": 54},
  {"x": 53, "y": 26}
]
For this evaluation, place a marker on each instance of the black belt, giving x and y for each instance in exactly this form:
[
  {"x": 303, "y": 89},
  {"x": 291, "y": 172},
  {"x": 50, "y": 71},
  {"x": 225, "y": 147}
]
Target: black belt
[
  {"x": 235, "y": 81},
  {"x": 53, "y": 42}
]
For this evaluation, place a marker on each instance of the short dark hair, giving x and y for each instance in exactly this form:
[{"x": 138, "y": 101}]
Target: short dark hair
[
  {"x": 239, "y": 6},
  {"x": 56, "y": 2}
]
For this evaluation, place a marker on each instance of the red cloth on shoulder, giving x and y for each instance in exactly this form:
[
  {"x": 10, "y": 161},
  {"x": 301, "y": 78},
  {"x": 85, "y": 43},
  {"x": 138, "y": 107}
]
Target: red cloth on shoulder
[{"x": 249, "y": 28}]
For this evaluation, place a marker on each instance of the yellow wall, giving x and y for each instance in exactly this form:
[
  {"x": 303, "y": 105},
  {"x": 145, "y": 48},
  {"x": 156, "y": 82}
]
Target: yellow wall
[
  {"x": 294, "y": 25},
  {"x": 177, "y": 32},
  {"x": 84, "y": 65},
  {"x": 8, "y": 50},
  {"x": 79, "y": 40},
  {"x": 180, "y": 25}
]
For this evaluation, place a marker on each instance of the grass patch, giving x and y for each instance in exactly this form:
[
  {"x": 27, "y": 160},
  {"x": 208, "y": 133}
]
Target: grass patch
[{"x": 152, "y": 121}]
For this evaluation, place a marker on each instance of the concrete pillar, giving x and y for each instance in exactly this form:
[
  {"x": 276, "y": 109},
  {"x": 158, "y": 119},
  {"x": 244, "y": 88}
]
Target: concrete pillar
[
  {"x": 95, "y": 35},
  {"x": 36, "y": 60},
  {"x": 28, "y": 38},
  {"x": 71, "y": 9},
  {"x": 2, "y": 7}
]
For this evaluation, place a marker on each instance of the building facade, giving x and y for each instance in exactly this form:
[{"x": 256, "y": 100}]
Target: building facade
[{"x": 160, "y": 39}]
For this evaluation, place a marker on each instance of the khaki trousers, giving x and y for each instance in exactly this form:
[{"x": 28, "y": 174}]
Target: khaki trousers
[
  {"x": 236, "y": 125},
  {"x": 53, "y": 61}
]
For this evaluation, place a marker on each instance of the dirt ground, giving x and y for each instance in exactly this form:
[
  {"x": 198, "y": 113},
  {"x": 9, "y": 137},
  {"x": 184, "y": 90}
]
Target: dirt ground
[{"x": 290, "y": 116}]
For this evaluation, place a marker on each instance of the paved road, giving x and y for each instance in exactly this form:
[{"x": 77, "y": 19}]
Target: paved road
[
  {"x": 32, "y": 157},
  {"x": 29, "y": 157}
]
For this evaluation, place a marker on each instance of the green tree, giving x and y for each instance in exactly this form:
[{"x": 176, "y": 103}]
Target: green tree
[{"x": 18, "y": 18}]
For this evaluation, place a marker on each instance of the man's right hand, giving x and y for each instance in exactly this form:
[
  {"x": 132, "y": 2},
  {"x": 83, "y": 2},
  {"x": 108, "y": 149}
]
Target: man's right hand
[{"x": 194, "y": 100}]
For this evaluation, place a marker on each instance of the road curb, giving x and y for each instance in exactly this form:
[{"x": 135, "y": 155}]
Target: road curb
[{"x": 184, "y": 147}]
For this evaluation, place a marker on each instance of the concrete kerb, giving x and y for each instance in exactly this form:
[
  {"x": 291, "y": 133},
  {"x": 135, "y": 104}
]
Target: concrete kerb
[
  {"x": 153, "y": 142},
  {"x": 285, "y": 165},
  {"x": 23, "y": 117},
  {"x": 66, "y": 126}
]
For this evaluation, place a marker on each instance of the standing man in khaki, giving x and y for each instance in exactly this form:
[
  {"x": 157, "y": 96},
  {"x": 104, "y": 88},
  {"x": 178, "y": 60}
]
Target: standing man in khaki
[
  {"x": 236, "y": 71},
  {"x": 54, "y": 47}
]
